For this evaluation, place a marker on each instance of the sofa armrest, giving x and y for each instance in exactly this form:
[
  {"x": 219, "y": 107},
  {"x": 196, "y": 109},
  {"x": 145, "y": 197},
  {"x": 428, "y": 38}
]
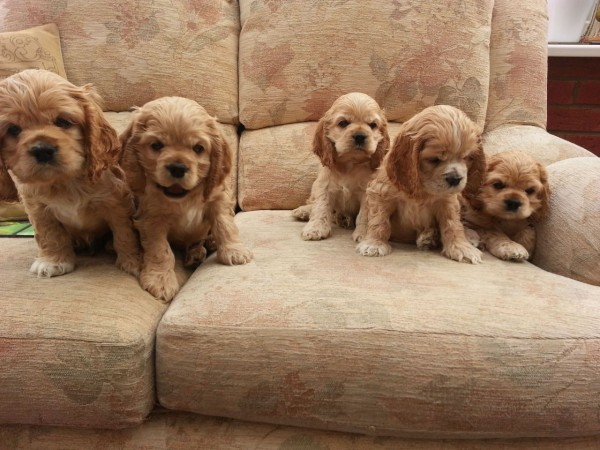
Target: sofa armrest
[
  {"x": 569, "y": 238},
  {"x": 536, "y": 141}
]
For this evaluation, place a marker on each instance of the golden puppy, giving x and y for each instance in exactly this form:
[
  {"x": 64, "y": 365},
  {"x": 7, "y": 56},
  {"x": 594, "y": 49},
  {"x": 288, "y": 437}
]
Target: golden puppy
[
  {"x": 414, "y": 195},
  {"x": 62, "y": 155},
  {"x": 177, "y": 163},
  {"x": 512, "y": 199},
  {"x": 351, "y": 140}
]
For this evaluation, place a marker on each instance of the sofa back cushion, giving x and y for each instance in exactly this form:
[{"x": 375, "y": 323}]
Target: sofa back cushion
[
  {"x": 297, "y": 57},
  {"x": 135, "y": 51}
]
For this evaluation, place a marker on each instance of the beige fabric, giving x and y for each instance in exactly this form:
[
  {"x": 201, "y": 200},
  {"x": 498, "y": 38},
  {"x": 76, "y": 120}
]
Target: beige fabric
[
  {"x": 278, "y": 167},
  {"x": 518, "y": 64},
  {"x": 135, "y": 51},
  {"x": 540, "y": 144},
  {"x": 297, "y": 57},
  {"x": 34, "y": 48},
  {"x": 569, "y": 240},
  {"x": 75, "y": 350},
  {"x": 312, "y": 334},
  {"x": 181, "y": 431}
]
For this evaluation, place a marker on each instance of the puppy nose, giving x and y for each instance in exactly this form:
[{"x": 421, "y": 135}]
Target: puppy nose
[
  {"x": 43, "y": 153},
  {"x": 512, "y": 205},
  {"x": 177, "y": 170},
  {"x": 359, "y": 138},
  {"x": 453, "y": 180}
]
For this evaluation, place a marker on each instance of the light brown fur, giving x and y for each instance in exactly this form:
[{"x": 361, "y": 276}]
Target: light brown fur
[
  {"x": 411, "y": 198},
  {"x": 179, "y": 210},
  {"x": 337, "y": 195},
  {"x": 514, "y": 180},
  {"x": 78, "y": 194}
]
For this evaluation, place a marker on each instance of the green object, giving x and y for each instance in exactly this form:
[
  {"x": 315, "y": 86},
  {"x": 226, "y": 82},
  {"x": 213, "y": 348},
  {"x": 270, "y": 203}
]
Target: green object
[{"x": 16, "y": 229}]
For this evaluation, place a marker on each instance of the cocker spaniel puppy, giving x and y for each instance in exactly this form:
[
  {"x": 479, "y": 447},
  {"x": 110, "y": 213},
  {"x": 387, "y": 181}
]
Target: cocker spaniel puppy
[
  {"x": 414, "y": 195},
  {"x": 512, "y": 199},
  {"x": 351, "y": 140},
  {"x": 62, "y": 155},
  {"x": 177, "y": 162}
]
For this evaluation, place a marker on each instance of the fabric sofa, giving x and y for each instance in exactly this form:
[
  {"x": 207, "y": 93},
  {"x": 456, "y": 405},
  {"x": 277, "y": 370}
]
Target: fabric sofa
[{"x": 311, "y": 345}]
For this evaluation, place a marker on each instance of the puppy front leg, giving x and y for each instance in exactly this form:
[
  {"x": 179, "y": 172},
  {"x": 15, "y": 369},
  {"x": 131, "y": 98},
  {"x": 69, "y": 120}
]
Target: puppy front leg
[
  {"x": 319, "y": 224},
  {"x": 378, "y": 229},
  {"x": 526, "y": 237},
  {"x": 455, "y": 244},
  {"x": 502, "y": 247},
  {"x": 230, "y": 249},
  {"x": 361, "y": 221},
  {"x": 125, "y": 239}
]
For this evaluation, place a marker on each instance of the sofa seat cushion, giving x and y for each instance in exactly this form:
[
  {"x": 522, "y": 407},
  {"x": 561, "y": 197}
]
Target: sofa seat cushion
[
  {"x": 312, "y": 334},
  {"x": 77, "y": 349}
]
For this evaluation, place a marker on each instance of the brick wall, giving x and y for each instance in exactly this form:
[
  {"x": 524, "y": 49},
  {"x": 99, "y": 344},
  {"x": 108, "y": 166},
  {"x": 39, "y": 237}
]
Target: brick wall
[{"x": 574, "y": 100}]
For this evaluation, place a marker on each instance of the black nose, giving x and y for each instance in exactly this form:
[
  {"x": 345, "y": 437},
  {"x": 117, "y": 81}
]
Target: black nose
[
  {"x": 453, "y": 180},
  {"x": 359, "y": 138},
  {"x": 43, "y": 153},
  {"x": 177, "y": 170},
  {"x": 512, "y": 205}
]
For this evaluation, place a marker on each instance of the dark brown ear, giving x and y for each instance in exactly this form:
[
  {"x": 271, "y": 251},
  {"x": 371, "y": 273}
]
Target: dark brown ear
[
  {"x": 8, "y": 190},
  {"x": 129, "y": 161},
  {"x": 476, "y": 173},
  {"x": 100, "y": 137},
  {"x": 322, "y": 146},
  {"x": 402, "y": 164},
  {"x": 220, "y": 162},
  {"x": 382, "y": 148},
  {"x": 543, "y": 195}
]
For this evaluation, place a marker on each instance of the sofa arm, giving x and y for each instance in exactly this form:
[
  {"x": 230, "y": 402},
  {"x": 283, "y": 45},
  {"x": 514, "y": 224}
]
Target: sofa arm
[
  {"x": 569, "y": 238},
  {"x": 540, "y": 144}
]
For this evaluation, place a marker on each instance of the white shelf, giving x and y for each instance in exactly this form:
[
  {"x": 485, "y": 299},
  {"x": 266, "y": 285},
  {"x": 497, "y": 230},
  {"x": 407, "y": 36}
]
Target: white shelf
[{"x": 574, "y": 50}]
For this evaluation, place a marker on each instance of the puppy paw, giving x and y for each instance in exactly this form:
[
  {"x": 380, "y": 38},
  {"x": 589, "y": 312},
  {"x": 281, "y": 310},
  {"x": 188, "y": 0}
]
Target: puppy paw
[
  {"x": 344, "y": 221},
  {"x": 47, "y": 269},
  {"x": 234, "y": 254},
  {"x": 162, "y": 285},
  {"x": 428, "y": 240},
  {"x": 358, "y": 235},
  {"x": 130, "y": 264},
  {"x": 315, "y": 231},
  {"x": 473, "y": 237},
  {"x": 195, "y": 255},
  {"x": 374, "y": 248},
  {"x": 463, "y": 252},
  {"x": 302, "y": 213},
  {"x": 510, "y": 251}
]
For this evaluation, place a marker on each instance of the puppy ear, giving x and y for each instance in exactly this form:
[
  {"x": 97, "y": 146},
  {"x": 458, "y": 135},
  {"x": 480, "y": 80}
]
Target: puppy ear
[
  {"x": 129, "y": 161},
  {"x": 220, "y": 162},
  {"x": 402, "y": 163},
  {"x": 8, "y": 190},
  {"x": 322, "y": 146},
  {"x": 382, "y": 147},
  {"x": 100, "y": 137},
  {"x": 476, "y": 173},
  {"x": 543, "y": 195}
]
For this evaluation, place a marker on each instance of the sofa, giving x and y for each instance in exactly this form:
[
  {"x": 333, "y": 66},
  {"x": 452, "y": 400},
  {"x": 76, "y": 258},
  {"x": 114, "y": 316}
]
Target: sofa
[{"x": 311, "y": 346}]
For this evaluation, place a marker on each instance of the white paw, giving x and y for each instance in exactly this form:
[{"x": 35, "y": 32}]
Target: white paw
[
  {"x": 130, "y": 265},
  {"x": 315, "y": 231},
  {"x": 47, "y": 269},
  {"x": 473, "y": 237},
  {"x": 302, "y": 213},
  {"x": 511, "y": 251},
  {"x": 358, "y": 235},
  {"x": 162, "y": 285},
  {"x": 463, "y": 252},
  {"x": 374, "y": 248},
  {"x": 234, "y": 255}
]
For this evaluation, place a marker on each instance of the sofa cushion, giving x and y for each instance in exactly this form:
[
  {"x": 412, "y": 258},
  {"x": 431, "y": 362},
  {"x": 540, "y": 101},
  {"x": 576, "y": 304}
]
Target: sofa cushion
[
  {"x": 312, "y": 334},
  {"x": 297, "y": 57},
  {"x": 137, "y": 51},
  {"x": 77, "y": 349}
]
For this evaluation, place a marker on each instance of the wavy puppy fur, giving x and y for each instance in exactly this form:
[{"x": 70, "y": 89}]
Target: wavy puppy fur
[
  {"x": 177, "y": 163},
  {"x": 62, "y": 155},
  {"x": 414, "y": 196},
  {"x": 351, "y": 140}
]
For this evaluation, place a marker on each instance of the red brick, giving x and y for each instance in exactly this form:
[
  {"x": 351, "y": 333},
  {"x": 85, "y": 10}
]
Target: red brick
[
  {"x": 588, "y": 92},
  {"x": 570, "y": 68},
  {"x": 560, "y": 92},
  {"x": 573, "y": 119},
  {"x": 590, "y": 142}
]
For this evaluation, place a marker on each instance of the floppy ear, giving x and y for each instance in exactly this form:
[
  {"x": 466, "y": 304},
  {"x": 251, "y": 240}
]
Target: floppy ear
[
  {"x": 322, "y": 146},
  {"x": 100, "y": 137},
  {"x": 402, "y": 163},
  {"x": 382, "y": 147},
  {"x": 129, "y": 161},
  {"x": 8, "y": 190},
  {"x": 476, "y": 173},
  {"x": 220, "y": 162},
  {"x": 543, "y": 195}
]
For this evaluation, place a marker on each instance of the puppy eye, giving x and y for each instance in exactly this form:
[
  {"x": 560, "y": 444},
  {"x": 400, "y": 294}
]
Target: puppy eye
[
  {"x": 343, "y": 123},
  {"x": 62, "y": 123},
  {"x": 498, "y": 185},
  {"x": 435, "y": 161},
  {"x": 157, "y": 146},
  {"x": 198, "y": 148},
  {"x": 14, "y": 130},
  {"x": 372, "y": 125},
  {"x": 530, "y": 191}
]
